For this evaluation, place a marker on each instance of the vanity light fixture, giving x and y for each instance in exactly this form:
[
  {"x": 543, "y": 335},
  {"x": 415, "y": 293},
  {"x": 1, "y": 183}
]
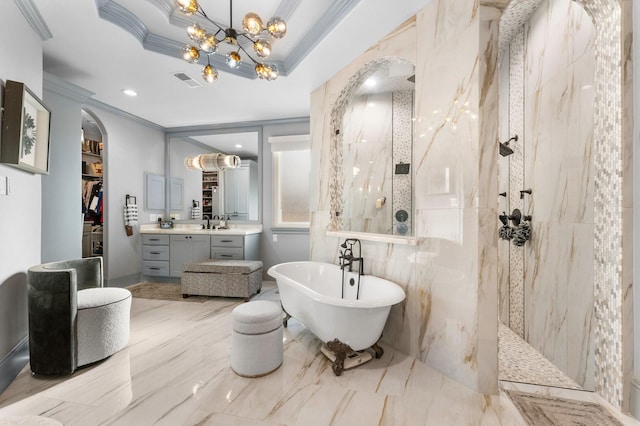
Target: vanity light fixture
[
  {"x": 212, "y": 161},
  {"x": 254, "y": 33}
]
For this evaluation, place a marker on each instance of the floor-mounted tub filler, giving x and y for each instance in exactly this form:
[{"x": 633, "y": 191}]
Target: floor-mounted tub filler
[{"x": 312, "y": 293}]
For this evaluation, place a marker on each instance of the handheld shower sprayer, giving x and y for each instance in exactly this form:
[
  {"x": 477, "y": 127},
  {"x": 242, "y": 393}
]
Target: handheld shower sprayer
[{"x": 505, "y": 150}]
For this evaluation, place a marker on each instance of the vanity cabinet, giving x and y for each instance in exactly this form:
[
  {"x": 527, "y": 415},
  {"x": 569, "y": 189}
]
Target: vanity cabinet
[
  {"x": 235, "y": 247},
  {"x": 155, "y": 255},
  {"x": 185, "y": 249}
]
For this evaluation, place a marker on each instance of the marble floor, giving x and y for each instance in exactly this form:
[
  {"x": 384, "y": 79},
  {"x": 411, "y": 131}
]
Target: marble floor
[{"x": 175, "y": 371}]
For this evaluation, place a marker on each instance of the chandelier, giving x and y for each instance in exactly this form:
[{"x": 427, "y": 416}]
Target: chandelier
[{"x": 253, "y": 30}]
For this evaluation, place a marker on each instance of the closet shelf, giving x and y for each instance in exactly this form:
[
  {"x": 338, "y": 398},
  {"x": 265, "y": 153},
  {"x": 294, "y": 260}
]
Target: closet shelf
[{"x": 91, "y": 154}]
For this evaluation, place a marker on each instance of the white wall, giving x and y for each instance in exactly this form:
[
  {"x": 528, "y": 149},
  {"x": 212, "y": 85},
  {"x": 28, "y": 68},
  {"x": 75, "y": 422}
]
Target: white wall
[
  {"x": 21, "y": 60},
  {"x": 61, "y": 188},
  {"x": 130, "y": 149}
]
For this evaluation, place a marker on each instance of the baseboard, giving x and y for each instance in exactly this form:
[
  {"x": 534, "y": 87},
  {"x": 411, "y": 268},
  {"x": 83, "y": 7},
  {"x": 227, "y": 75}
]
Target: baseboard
[
  {"x": 634, "y": 403},
  {"x": 124, "y": 281},
  {"x": 13, "y": 363}
]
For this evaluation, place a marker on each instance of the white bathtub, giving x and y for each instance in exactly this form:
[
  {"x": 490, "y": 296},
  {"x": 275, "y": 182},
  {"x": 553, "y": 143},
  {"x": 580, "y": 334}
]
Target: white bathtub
[{"x": 311, "y": 293}]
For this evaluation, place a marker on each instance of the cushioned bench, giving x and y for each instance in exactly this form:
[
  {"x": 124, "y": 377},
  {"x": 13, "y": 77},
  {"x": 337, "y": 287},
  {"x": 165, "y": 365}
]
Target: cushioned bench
[{"x": 225, "y": 278}]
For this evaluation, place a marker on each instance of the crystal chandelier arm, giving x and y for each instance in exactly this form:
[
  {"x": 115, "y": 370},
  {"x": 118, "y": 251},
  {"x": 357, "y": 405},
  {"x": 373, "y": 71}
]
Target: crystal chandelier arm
[
  {"x": 247, "y": 53},
  {"x": 247, "y": 37}
]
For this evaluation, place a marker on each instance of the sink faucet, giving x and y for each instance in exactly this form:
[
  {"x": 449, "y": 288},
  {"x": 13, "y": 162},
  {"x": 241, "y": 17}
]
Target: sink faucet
[
  {"x": 347, "y": 257},
  {"x": 206, "y": 217},
  {"x": 216, "y": 217}
]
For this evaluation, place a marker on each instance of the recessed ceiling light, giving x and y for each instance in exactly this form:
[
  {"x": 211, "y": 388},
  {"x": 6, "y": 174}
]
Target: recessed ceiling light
[
  {"x": 238, "y": 145},
  {"x": 129, "y": 92}
]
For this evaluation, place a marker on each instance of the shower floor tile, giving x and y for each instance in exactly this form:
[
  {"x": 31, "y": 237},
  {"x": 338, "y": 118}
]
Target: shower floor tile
[{"x": 520, "y": 362}]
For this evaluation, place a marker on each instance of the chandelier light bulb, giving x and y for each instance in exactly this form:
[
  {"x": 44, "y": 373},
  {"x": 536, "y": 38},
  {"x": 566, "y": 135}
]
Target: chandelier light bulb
[
  {"x": 277, "y": 27},
  {"x": 209, "y": 44},
  {"x": 252, "y": 23},
  {"x": 233, "y": 60},
  {"x": 190, "y": 54},
  {"x": 188, "y": 7},
  {"x": 262, "y": 48},
  {"x": 262, "y": 71},
  {"x": 196, "y": 32},
  {"x": 209, "y": 74},
  {"x": 273, "y": 72}
]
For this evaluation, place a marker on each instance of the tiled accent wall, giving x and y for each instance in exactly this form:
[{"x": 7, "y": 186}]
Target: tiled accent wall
[
  {"x": 608, "y": 199},
  {"x": 516, "y": 179},
  {"x": 402, "y": 143}
]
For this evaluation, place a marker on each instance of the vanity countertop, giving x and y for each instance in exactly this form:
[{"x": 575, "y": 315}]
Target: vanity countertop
[{"x": 191, "y": 229}]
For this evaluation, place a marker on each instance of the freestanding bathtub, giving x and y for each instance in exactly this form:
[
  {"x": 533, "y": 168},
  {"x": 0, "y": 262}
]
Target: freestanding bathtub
[{"x": 311, "y": 293}]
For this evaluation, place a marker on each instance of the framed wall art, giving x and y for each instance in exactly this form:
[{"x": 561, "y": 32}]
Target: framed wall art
[{"x": 25, "y": 129}]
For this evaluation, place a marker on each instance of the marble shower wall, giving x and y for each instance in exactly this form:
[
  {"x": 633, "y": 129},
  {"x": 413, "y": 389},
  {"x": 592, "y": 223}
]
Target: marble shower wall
[
  {"x": 612, "y": 151},
  {"x": 367, "y": 154},
  {"x": 377, "y": 135},
  {"x": 559, "y": 165},
  {"x": 449, "y": 319}
]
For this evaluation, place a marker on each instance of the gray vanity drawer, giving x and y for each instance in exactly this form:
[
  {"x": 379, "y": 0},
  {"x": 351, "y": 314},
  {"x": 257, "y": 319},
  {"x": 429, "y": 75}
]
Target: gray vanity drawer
[
  {"x": 151, "y": 252},
  {"x": 153, "y": 239},
  {"x": 227, "y": 253},
  {"x": 228, "y": 241},
  {"x": 155, "y": 268}
]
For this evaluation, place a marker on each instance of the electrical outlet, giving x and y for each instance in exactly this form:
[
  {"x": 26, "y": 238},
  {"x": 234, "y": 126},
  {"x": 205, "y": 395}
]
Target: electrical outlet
[
  {"x": 275, "y": 238},
  {"x": 153, "y": 217}
]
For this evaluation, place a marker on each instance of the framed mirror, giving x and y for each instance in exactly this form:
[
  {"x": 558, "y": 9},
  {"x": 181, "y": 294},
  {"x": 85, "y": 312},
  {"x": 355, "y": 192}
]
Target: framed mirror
[
  {"x": 232, "y": 194},
  {"x": 371, "y": 185}
]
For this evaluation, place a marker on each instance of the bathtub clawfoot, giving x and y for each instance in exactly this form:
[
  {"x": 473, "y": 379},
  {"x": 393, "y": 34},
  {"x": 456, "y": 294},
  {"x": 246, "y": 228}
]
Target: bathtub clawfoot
[
  {"x": 340, "y": 351},
  {"x": 285, "y": 320},
  {"x": 377, "y": 350}
]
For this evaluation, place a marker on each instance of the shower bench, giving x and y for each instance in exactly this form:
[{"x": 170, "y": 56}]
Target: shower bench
[{"x": 223, "y": 278}]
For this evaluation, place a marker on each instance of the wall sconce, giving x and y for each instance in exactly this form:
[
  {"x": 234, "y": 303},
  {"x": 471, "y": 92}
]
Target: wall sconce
[{"x": 213, "y": 161}]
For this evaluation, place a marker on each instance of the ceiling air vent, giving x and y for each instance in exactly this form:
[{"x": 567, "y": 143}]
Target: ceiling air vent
[{"x": 186, "y": 79}]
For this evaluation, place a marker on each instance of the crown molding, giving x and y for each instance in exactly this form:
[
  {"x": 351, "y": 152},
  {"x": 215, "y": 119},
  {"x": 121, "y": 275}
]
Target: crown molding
[
  {"x": 123, "y": 114},
  {"x": 33, "y": 17},
  {"x": 62, "y": 87},
  {"x": 334, "y": 14},
  {"x": 286, "y": 8},
  {"x": 246, "y": 126}
]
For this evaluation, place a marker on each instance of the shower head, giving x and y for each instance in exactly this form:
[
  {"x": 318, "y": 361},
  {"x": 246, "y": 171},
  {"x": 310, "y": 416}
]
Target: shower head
[{"x": 504, "y": 149}]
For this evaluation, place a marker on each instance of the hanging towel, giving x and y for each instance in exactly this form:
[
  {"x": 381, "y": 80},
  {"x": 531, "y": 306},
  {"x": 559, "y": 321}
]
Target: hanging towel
[
  {"x": 196, "y": 213},
  {"x": 131, "y": 215}
]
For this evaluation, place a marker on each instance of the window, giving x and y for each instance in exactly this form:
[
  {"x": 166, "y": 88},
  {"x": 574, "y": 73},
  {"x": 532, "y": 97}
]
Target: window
[{"x": 291, "y": 165}]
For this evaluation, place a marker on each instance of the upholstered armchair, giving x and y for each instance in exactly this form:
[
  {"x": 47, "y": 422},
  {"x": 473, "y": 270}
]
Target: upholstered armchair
[{"x": 73, "y": 319}]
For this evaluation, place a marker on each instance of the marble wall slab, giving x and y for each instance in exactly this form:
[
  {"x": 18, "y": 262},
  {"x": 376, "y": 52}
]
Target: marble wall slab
[
  {"x": 558, "y": 100},
  {"x": 449, "y": 319},
  {"x": 377, "y": 134}
]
